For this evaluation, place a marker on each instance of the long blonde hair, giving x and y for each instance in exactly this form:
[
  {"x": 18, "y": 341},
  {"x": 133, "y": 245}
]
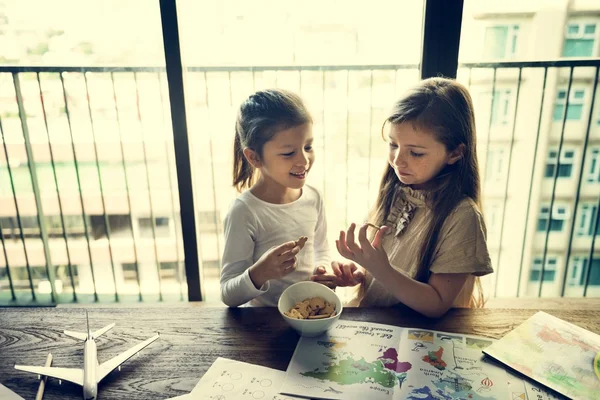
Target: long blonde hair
[{"x": 444, "y": 108}]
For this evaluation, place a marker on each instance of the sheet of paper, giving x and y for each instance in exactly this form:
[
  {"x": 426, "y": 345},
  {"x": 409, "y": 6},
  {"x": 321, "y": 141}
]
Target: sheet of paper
[
  {"x": 352, "y": 361},
  {"x": 449, "y": 366},
  {"x": 7, "y": 394},
  {"x": 230, "y": 380}
]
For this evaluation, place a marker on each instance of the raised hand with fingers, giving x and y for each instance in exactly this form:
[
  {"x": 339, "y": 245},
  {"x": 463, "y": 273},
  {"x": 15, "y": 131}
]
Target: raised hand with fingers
[
  {"x": 370, "y": 255},
  {"x": 275, "y": 263}
]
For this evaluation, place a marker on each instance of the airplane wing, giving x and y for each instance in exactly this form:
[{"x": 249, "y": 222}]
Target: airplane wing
[
  {"x": 74, "y": 375},
  {"x": 106, "y": 367}
]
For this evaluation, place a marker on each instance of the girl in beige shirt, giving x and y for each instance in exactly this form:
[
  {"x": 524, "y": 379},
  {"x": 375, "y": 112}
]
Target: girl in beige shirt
[{"x": 431, "y": 248}]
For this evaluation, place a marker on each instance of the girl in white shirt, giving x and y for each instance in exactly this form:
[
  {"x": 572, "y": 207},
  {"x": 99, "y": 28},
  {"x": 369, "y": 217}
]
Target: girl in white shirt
[{"x": 273, "y": 155}]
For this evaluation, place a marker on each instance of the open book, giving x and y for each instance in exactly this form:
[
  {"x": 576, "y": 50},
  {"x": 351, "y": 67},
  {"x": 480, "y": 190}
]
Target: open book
[
  {"x": 560, "y": 355},
  {"x": 360, "y": 360}
]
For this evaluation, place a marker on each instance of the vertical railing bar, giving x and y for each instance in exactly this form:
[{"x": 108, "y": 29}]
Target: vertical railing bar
[
  {"x": 510, "y": 151},
  {"x": 12, "y": 186},
  {"x": 10, "y": 282},
  {"x": 489, "y": 132},
  {"x": 323, "y": 136},
  {"x": 60, "y": 208},
  {"x": 144, "y": 152},
  {"x": 124, "y": 164},
  {"x": 253, "y": 79},
  {"x": 558, "y": 155},
  {"x": 347, "y": 140},
  {"x": 537, "y": 139},
  {"x": 592, "y": 247},
  {"x": 35, "y": 185},
  {"x": 173, "y": 200},
  {"x": 276, "y": 78},
  {"x": 212, "y": 159},
  {"x": 76, "y": 163},
  {"x": 488, "y": 144},
  {"x": 101, "y": 183},
  {"x": 370, "y": 138},
  {"x": 577, "y": 194}
]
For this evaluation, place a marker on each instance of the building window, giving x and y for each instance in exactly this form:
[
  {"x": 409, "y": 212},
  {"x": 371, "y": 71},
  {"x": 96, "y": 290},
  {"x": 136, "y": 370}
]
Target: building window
[
  {"x": 579, "y": 271},
  {"x": 575, "y": 110},
  {"x": 129, "y": 272},
  {"x": 559, "y": 215},
  {"x": 549, "y": 270},
  {"x": 161, "y": 227},
  {"x": 496, "y": 165},
  {"x": 587, "y": 220},
  {"x": 501, "y": 107},
  {"x": 580, "y": 40},
  {"x": 565, "y": 167},
  {"x": 593, "y": 172},
  {"x": 493, "y": 217},
  {"x": 500, "y": 42},
  {"x": 168, "y": 271}
]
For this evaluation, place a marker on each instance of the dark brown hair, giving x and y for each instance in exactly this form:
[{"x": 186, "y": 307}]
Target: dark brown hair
[
  {"x": 444, "y": 108},
  {"x": 260, "y": 117}
]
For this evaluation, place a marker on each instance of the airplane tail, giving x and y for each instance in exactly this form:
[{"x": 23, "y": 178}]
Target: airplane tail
[{"x": 94, "y": 335}]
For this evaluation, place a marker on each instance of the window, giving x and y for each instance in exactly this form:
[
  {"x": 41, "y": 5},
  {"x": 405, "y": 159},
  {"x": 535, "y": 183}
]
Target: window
[
  {"x": 579, "y": 40},
  {"x": 565, "y": 167},
  {"x": 579, "y": 271},
  {"x": 500, "y": 42},
  {"x": 587, "y": 220},
  {"x": 575, "y": 110},
  {"x": 161, "y": 227},
  {"x": 501, "y": 107},
  {"x": 495, "y": 166},
  {"x": 129, "y": 272},
  {"x": 593, "y": 172},
  {"x": 168, "y": 271},
  {"x": 559, "y": 215},
  {"x": 549, "y": 270}
]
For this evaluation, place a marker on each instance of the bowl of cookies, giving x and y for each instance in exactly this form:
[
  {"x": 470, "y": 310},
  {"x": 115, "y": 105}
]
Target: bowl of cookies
[{"x": 309, "y": 307}]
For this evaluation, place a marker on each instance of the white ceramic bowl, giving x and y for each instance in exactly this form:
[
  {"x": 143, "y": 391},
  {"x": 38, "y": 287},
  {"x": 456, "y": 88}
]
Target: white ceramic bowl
[{"x": 301, "y": 291}]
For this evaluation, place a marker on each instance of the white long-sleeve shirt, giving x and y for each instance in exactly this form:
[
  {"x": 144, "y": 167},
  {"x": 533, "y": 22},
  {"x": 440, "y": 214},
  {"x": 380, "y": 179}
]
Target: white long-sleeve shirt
[{"x": 253, "y": 226}]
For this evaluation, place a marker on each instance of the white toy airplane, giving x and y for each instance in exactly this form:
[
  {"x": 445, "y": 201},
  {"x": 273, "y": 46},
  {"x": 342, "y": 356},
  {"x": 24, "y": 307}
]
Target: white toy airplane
[{"x": 92, "y": 372}]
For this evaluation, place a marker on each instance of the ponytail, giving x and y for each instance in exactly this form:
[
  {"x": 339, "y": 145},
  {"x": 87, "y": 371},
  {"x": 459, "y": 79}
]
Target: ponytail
[{"x": 243, "y": 172}]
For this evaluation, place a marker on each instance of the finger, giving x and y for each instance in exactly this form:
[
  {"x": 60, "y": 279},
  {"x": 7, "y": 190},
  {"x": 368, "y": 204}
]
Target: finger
[
  {"x": 336, "y": 268},
  {"x": 344, "y": 251},
  {"x": 320, "y": 270},
  {"x": 358, "y": 276},
  {"x": 289, "y": 266},
  {"x": 322, "y": 278},
  {"x": 350, "y": 239},
  {"x": 290, "y": 253},
  {"x": 287, "y": 246},
  {"x": 378, "y": 240},
  {"x": 362, "y": 237},
  {"x": 346, "y": 272}
]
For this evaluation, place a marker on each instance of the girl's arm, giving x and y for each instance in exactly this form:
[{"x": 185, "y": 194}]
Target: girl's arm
[
  {"x": 432, "y": 299},
  {"x": 237, "y": 287}
]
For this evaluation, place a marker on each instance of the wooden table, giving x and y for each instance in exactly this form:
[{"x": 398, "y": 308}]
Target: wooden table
[{"x": 193, "y": 337}]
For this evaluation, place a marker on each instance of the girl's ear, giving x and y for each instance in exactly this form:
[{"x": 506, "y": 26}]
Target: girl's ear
[
  {"x": 252, "y": 157},
  {"x": 456, "y": 154}
]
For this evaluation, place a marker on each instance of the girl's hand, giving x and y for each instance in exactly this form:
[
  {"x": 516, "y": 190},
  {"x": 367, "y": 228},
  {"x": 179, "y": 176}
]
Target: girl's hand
[
  {"x": 343, "y": 275},
  {"x": 275, "y": 263},
  {"x": 371, "y": 256}
]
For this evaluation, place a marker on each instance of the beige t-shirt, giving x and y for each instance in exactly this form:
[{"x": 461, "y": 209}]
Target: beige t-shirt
[{"x": 461, "y": 248}]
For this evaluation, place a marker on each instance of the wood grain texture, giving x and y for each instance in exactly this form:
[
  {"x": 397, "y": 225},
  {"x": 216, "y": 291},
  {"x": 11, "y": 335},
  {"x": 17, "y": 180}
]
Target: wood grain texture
[{"x": 193, "y": 337}]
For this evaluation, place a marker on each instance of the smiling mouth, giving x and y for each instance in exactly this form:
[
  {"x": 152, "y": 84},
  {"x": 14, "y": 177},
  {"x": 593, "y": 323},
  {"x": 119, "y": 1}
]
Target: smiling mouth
[{"x": 300, "y": 175}]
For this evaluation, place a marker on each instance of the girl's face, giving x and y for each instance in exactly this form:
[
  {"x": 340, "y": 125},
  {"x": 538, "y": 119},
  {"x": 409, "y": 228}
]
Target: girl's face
[
  {"x": 416, "y": 156},
  {"x": 288, "y": 157}
]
